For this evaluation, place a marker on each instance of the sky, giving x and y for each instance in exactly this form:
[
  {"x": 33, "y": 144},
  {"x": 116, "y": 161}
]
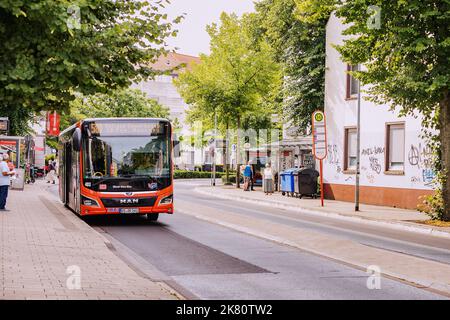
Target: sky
[{"x": 192, "y": 38}]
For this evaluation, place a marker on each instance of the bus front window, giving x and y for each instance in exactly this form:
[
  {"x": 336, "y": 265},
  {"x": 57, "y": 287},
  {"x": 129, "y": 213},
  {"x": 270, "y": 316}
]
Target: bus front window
[{"x": 125, "y": 157}]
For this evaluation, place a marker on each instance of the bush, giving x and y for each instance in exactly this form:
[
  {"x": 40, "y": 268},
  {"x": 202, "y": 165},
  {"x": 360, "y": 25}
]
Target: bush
[{"x": 186, "y": 174}]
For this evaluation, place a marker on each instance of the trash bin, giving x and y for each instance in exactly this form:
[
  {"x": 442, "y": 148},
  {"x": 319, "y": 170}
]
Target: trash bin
[
  {"x": 287, "y": 182},
  {"x": 307, "y": 182},
  {"x": 295, "y": 172}
]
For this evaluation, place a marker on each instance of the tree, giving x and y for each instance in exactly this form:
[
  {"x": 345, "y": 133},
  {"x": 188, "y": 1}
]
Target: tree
[
  {"x": 407, "y": 57},
  {"x": 131, "y": 103},
  {"x": 298, "y": 37},
  {"x": 235, "y": 80},
  {"x": 52, "y": 49}
]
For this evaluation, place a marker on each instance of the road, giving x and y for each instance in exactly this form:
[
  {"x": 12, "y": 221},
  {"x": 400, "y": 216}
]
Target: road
[{"x": 209, "y": 261}]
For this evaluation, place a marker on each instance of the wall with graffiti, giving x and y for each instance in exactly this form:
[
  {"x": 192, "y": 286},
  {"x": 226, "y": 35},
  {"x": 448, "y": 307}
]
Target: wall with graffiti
[{"x": 341, "y": 112}]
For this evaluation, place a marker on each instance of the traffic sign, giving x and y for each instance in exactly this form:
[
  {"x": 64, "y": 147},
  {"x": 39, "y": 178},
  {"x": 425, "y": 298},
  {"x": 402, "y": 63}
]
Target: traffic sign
[{"x": 319, "y": 132}]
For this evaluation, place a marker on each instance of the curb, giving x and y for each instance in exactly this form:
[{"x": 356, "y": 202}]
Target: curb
[{"x": 389, "y": 224}]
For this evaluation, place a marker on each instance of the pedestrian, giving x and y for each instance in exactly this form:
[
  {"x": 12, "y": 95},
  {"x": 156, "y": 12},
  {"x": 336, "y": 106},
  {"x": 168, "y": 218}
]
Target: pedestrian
[
  {"x": 51, "y": 172},
  {"x": 252, "y": 178},
  {"x": 248, "y": 172},
  {"x": 6, "y": 173},
  {"x": 268, "y": 179}
]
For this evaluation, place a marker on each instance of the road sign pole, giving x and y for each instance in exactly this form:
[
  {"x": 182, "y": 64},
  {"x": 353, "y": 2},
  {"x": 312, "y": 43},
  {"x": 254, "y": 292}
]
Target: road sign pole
[
  {"x": 321, "y": 182},
  {"x": 319, "y": 134}
]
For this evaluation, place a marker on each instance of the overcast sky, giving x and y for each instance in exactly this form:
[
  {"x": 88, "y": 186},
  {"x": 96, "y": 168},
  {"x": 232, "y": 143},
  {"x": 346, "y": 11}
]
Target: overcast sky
[{"x": 192, "y": 38}]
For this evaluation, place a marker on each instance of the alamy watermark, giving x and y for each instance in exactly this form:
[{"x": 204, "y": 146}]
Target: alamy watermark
[
  {"x": 74, "y": 20},
  {"x": 73, "y": 282},
  {"x": 374, "y": 279},
  {"x": 374, "y": 20}
]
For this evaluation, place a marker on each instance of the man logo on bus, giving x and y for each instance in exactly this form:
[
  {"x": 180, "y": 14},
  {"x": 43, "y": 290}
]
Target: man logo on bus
[
  {"x": 318, "y": 116},
  {"x": 128, "y": 201}
]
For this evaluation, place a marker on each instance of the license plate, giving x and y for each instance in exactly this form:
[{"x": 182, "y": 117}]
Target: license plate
[{"x": 129, "y": 210}]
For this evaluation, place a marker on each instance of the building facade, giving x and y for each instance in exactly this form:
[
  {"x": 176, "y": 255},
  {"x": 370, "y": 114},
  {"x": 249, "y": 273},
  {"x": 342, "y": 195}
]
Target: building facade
[
  {"x": 395, "y": 161},
  {"x": 164, "y": 91}
]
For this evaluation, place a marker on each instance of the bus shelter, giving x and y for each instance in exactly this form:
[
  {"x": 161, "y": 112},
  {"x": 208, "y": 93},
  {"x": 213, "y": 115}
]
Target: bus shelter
[{"x": 15, "y": 148}]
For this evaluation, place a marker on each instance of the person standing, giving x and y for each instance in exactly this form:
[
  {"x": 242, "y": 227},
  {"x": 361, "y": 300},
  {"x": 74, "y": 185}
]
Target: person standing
[
  {"x": 268, "y": 179},
  {"x": 51, "y": 172},
  {"x": 248, "y": 172},
  {"x": 6, "y": 173}
]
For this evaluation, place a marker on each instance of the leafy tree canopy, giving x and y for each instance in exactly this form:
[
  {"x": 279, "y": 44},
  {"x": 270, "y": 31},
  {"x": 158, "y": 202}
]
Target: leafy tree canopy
[
  {"x": 131, "y": 103},
  {"x": 52, "y": 49},
  {"x": 297, "y": 34},
  {"x": 235, "y": 80}
]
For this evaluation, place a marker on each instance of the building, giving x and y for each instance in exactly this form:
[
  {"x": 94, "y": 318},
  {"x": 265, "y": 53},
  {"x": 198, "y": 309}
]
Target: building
[
  {"x": 395, "y": 161},
  {"x": 163, "y": 90}
]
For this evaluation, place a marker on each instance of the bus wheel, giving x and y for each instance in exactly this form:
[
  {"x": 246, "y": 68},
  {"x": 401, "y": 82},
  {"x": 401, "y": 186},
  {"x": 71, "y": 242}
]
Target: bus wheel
[{"x": 152, "y": 216}]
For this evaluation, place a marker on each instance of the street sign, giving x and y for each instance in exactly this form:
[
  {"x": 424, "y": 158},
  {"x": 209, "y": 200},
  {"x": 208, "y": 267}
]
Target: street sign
[
  {"x": 319, "y": 132},
  {"x": 247, "y": 146},
  {"x": 4, "y": 125}
]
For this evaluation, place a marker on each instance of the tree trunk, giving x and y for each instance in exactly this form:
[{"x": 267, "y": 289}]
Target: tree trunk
[
  {"x": 445, "y": 151},
  {"x": 238, "y": 172}
]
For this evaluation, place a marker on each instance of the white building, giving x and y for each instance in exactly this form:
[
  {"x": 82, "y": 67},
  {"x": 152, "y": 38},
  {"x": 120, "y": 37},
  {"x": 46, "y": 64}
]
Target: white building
[
  {"x": 163, "y": 90},
  {"x": 395, "y": 161}
]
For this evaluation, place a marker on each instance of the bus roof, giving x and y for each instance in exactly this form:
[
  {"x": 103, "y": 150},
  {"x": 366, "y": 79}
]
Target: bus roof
[
  {"x": 125, "y": 119},
  {"x": 114, "y": 119}
]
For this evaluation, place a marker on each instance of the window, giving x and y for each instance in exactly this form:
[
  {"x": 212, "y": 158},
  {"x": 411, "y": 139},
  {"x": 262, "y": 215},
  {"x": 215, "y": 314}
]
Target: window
[
  {"x": 352, "y": 83},
  {"x": 350, "y": 149},
  {"x": 395, "y": 147}
]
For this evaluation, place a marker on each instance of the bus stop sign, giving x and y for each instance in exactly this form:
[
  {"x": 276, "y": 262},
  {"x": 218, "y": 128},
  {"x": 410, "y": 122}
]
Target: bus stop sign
[{"x": 319, "y": 131}]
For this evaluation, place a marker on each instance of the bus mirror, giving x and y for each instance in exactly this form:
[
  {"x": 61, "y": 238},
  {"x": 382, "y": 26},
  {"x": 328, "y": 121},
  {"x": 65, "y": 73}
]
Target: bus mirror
[{"x": 76, "y": 139}]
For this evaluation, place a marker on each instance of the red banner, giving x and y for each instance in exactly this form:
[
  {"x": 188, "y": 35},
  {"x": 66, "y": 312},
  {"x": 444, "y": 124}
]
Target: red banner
[{"x": 53, "y": 119}]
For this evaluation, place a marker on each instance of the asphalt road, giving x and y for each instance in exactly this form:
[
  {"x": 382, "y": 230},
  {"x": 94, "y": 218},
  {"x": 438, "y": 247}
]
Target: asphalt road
[{"x": 213, "y": 262}]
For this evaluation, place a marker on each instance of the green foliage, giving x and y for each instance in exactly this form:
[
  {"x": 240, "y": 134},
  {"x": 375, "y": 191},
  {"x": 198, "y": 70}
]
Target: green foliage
[
  {"x": 116, "y": 104},
  {"x": 49, "y": 157},
  {"x": 407, "y": 58},
  {"x": 297, "y": 34},
  {"x": 406, "y": 64},
  {"x": 185, "y": 174},
  {"x": 433, "y": 205},
  {"x": 235, "y": 80},
  {"x": 19, "y": 119},
  {"x": 47, "y": 55}
]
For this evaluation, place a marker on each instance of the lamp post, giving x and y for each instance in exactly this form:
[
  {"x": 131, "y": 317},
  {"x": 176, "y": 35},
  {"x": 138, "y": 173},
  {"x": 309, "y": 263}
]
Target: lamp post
[
  {"x": 214, "y": 149},
  {"x": 358, "y": 145}
]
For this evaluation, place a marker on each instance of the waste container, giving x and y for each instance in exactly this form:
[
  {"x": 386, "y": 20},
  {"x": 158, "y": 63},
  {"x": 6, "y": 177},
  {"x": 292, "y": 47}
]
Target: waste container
[
  {"x": 295, "y": 172},
  {"x": 287, "y": 182},
  {"x": 307, "y": 182}
]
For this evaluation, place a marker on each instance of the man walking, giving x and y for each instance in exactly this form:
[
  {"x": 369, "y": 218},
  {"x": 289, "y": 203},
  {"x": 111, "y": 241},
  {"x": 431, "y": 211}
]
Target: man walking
[{"x": 4, "y": 180}]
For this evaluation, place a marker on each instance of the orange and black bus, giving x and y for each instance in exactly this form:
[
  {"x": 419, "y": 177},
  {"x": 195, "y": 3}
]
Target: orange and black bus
[{"x": 117, "y": 166}]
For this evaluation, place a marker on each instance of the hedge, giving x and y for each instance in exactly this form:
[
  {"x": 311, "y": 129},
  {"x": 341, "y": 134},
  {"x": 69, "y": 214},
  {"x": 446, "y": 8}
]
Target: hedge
[{"x": 186, "y": 174}]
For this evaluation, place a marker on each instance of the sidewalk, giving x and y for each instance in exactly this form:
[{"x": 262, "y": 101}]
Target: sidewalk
[
  {"x": 387, "y": 216},
  {"x": 43, "y": 246}
]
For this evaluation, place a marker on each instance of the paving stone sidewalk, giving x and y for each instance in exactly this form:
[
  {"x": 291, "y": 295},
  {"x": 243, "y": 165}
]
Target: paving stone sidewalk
[
  {"x": 401, "y": 218},
  {"x": 43, "y": 246}
]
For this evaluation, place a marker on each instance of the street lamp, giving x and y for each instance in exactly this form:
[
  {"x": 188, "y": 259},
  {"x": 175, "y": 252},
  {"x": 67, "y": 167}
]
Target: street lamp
[{"x": 358, "y": 145}]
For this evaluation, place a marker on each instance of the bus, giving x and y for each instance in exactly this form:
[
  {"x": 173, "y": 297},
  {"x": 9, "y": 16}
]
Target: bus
[{"x": 110, "y": 166}]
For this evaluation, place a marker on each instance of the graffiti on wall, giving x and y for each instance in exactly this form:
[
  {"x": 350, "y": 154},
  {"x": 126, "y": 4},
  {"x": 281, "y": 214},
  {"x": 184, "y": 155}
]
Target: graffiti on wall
[
  {"x": 420, "y": 156},
  {"x": 370, "y": 178},
  {"x": 333, "y": 154},
  {"x": 375, "y": 165},
  {"x": 428, "y": 176},
  {"x": 372, "y": 151}
]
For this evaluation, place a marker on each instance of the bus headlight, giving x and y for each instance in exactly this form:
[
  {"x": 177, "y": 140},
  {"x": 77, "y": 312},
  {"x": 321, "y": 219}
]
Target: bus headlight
[
  {"x": 166, "y": 200},
  {"x": 89, "y": 202}
]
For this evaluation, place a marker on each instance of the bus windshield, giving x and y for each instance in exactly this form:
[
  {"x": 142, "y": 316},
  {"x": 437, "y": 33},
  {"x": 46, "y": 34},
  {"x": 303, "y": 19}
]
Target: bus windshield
[{"x": 112, "y": 155}]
